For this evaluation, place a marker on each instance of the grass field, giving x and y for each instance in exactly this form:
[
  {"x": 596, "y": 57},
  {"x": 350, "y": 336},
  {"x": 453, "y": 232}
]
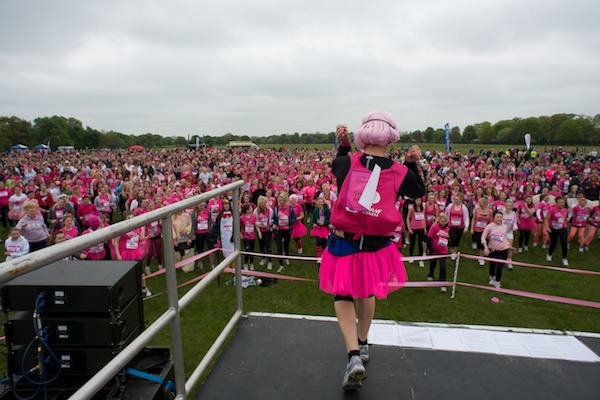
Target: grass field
[
  {"x": 461, "y": 147},
  {"x": 206, "y": 317}
]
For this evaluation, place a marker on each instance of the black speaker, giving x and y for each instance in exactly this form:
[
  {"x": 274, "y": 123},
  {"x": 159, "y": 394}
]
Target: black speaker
[
  {"x": 88, "y": 286},
  {"x": 82, "y": 329}
]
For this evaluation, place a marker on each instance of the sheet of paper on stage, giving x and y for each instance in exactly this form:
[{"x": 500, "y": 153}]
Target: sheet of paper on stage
[
  {"x": 384, "y": 334},
  {"x": 414, "y": 336},
  {"x": 446, "y": 339}
]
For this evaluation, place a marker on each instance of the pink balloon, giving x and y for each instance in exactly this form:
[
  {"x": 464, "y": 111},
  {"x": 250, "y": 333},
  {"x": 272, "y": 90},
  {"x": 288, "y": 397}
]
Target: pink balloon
[{"x": 495, "y": 300}]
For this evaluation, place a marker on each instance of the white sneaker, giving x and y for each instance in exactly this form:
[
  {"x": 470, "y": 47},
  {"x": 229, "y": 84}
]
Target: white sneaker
[
  {"x": 520, "y": 250},
  {"x": 146, "y": 292},
  {"x": 581, "y": 249},
  {"x": 443, "y": 289},
  {"x": 262, "y": 262},
  {"x": 280, "y": 269},
  {"x": 509, "y": 266},
  {"x": 534, "y": 244},
  {"x": 526, "y": 248},
  {"x": 245, "y": 266},
  {"x": 251, "y": 267},
  {"x": 286, "y": 261},
  {"x": 492, "y": 281},
  {"x": 300, "y": 250},
  {"x": 548, "y": 257},
  {"x": 497, "y": 285},
  {"x": 429, "y": 278},
  {"x": 474, "y": 245},
  {"x": 481, "y": 263},
  {"x": 565, "y": 262},
  {"x": 410, "y": 261},
  {"x": 148, "y": 271},
  {"x": 544, "y": 246},
  {"x": 421, "y": 264},
  {"x": 586, "y": 248},
  {"x": 269, "y": 265}
]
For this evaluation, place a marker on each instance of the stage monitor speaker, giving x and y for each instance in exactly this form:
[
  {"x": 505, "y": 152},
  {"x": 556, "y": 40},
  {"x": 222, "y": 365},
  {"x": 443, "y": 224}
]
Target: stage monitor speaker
[
  {"x": 75, "y": 286},
  {"x": 78, "y": 329}
]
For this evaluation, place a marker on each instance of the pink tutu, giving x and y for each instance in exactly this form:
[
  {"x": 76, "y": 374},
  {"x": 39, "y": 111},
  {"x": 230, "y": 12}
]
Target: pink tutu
[
  {"x": 363, "y": 274},
  {"x": 320, "y": 231},
  {"x": 299, "y": 230}
]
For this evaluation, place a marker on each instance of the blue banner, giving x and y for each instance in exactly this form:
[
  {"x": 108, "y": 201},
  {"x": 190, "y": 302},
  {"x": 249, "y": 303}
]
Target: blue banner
[{"x": 447, "y": 138}]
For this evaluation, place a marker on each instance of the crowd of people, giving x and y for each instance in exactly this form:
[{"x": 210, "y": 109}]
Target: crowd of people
[
  {"x": 545, "y": 198},
  {"x": 361, "y": 210}
]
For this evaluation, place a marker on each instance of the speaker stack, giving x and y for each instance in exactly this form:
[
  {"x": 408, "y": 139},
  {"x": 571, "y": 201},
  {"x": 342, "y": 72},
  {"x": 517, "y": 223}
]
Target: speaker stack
[{"x": 85, "y": 312}]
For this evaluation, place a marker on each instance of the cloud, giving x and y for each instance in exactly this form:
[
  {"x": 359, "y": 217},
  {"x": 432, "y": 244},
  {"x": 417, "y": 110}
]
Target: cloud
[{"x": 267, "y": 67}]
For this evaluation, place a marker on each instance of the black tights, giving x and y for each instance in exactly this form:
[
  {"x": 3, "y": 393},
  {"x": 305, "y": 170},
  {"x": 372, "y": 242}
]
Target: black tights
[
  {"x": 524, "y": 237},
  {"x": 418, "y": 234},
  {"x": 556, "y": 234}
]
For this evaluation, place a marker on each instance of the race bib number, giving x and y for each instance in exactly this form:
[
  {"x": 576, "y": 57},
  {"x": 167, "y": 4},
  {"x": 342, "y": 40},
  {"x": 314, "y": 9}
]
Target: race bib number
[
  {"x": 105, "y": 204},
  {"x": 442, "y": 241},
  {"x": 481, "y": 224},
  {"x": 419, "y": 216},
  {"x": 430, "y": 218},
  {"x": 203, "y": 225},
  {"x": 284, "y": 221},
  {"x": 496, "y": 237},
  {"x": 455, "y": 221},
  {"x": 228, "y": 228},
  {"x": 263, "y": 222},
  {"x": 59, "y": 214},
  {"x": 249, "y": 228}
]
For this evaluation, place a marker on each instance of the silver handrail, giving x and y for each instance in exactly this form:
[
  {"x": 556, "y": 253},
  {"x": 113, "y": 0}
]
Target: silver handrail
[{"x": 171, "y": 317}]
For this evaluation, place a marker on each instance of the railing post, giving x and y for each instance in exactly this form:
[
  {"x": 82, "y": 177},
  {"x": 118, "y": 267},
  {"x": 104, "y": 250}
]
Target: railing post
[
  {"x": 173, "y": 298},
  {"x": 237, "y": 245},
  {"x": 456, "y": 264}
]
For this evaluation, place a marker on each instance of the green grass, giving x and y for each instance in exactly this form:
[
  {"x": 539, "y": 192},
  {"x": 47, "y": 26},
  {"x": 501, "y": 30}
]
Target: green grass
[
  {"x": 462, "y": 147},
  {"x": 204, "y": 319}
]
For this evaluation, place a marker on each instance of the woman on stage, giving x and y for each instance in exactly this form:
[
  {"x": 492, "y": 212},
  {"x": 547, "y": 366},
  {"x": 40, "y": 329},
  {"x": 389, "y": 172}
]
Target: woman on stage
[{"x": 360, "y": 262}]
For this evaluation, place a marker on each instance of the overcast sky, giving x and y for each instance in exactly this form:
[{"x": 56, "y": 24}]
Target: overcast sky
[{"x": 269, "y": 67}]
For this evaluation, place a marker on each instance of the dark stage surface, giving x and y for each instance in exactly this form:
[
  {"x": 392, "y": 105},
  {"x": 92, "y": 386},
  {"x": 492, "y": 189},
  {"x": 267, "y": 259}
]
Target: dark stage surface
[{"x": 281, "y": 358}]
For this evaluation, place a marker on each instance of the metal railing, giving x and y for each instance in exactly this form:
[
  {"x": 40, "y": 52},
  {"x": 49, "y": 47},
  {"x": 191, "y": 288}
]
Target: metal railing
[{"x": 171, "y": 317}]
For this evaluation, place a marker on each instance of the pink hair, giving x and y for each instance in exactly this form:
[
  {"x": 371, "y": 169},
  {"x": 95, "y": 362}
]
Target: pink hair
[{"x": 378, "y": 128}]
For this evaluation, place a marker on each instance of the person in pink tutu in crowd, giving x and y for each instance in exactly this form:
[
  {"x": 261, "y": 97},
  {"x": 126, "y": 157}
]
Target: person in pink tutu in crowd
[
  {"x": 579, "y": 215},
  {"x": 130, "y": 246},
  {"x": 360, "y": 262},
  {"x": 438, "y": 240},
  {"x": 321, "y": 226},
  {"x": 594, "y": 224},
  {"x": 299, "y": 229}
]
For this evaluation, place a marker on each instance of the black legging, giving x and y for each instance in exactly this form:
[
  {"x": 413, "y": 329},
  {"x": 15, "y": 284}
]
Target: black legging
[
  {"x": 4, "y": 216},
  {"x": 496, "y": 267},
  {"x": 524, "y": 236},
  {"x": 264, "y": 243},
  {"x": 432, "y": 265},
  {"x": 282, "y": 240},
  {"x": 418, "y": 234},
  {"x": 248, "y": 247},
  {"x": 455, "y": 235},
  {"x": 556, "y": 234}
]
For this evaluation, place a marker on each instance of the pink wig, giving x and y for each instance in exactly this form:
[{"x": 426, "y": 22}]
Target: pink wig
[{"x": 378, "y": 128}]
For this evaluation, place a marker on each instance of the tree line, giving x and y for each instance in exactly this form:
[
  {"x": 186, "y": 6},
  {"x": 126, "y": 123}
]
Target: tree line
[{"x": 558, "y": 129}]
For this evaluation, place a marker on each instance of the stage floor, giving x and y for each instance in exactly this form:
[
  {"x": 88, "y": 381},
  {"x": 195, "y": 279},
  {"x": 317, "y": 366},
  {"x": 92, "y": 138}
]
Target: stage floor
[{"x": 303, "y": 358}]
